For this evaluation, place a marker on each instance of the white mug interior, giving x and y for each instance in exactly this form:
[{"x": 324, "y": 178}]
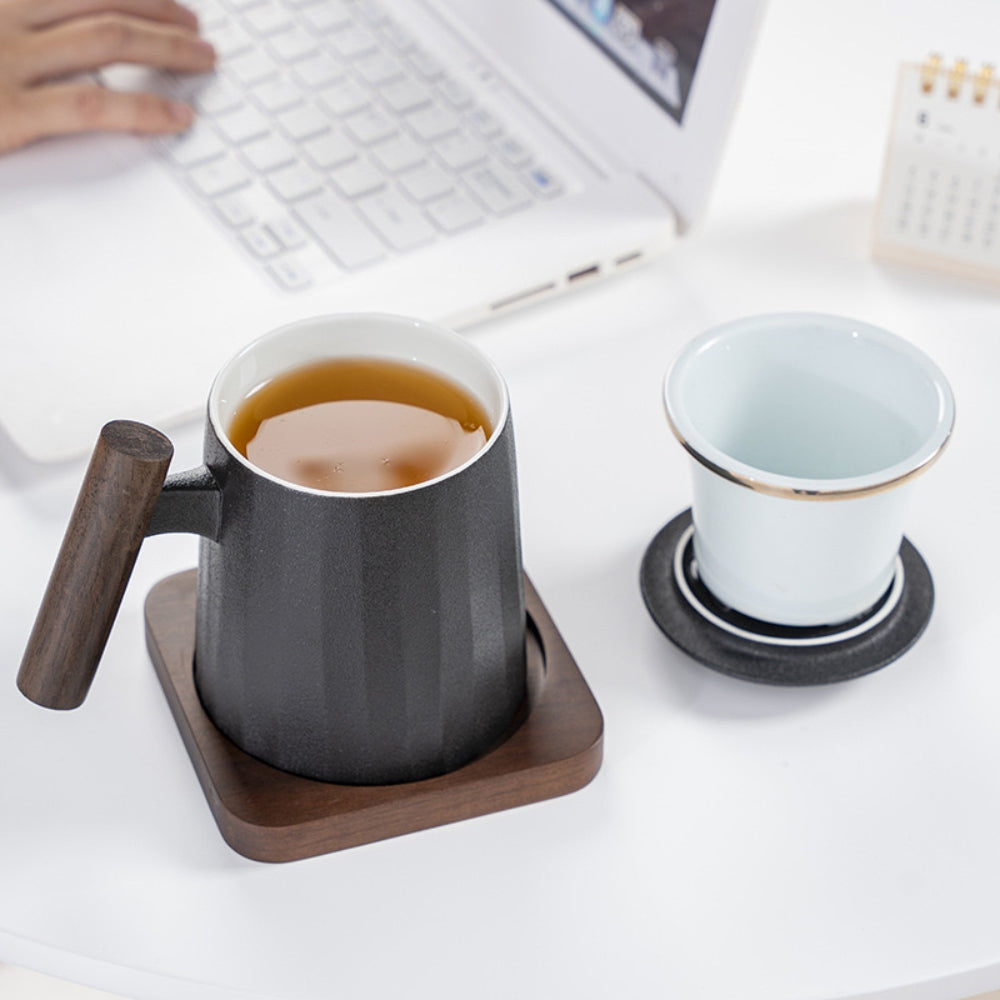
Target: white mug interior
[
  {"x": 799, "y": 425},
  {"x": 354, "y": 335}
]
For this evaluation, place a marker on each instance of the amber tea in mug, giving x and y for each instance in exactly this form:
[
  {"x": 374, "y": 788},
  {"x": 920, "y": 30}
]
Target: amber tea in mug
[{"x": 359, "y": 425}]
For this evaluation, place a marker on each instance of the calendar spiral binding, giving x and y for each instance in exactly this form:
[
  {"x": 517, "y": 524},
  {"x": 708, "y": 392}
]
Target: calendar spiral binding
[
  {"x": 960, "y": 77},
  {"x": 939, "y": 201}
]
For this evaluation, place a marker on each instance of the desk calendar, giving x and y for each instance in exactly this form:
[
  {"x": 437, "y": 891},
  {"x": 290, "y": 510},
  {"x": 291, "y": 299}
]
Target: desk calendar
[{"x": 939, "y": 204}]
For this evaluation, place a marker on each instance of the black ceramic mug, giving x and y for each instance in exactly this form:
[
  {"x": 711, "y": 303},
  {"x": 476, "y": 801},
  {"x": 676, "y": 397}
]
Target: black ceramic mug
[{"x": 364, "y": 638}]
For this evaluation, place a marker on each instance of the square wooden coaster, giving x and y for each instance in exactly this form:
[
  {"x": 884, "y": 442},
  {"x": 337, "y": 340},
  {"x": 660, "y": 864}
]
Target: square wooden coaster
[{"x": 555, "y": 747}]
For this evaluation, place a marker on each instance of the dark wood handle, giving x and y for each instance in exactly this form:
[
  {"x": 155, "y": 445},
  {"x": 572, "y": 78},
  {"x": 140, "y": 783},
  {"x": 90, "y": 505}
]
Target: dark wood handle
[{"x": 98, "y": 552}]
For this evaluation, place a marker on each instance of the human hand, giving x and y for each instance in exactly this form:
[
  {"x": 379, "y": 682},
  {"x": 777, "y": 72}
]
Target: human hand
[{"x": 45, "y": 42}]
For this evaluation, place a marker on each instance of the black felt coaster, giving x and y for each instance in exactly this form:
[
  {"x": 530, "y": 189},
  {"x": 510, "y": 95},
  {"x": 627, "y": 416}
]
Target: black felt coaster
[{"x": 833, "y": 659}]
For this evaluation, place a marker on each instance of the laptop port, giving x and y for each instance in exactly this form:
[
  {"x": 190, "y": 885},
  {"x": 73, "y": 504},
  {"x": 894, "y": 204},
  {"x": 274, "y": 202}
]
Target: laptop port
[
  {"x": 629, "y": 258},
  {"x": 586, "y": 272}
]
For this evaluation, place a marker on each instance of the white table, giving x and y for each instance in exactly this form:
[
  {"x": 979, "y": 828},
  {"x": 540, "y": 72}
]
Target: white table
[{"x": 740, "y": 840}]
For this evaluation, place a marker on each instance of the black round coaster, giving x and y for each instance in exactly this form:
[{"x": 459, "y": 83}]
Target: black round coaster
[{"x": 755, "y": 651}]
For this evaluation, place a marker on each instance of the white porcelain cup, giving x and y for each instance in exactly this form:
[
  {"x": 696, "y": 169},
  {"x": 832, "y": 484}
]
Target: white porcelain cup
[{"x": 806, "y": 432}]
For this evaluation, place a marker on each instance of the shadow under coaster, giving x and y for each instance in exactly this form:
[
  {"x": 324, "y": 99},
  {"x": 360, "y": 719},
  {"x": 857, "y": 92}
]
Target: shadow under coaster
[
  {"x": 554, "y": 747},
  {"x": 743, "y": 647}
]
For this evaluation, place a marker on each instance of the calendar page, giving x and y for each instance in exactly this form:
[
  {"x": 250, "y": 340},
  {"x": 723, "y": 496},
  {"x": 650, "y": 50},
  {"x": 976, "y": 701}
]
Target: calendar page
[{"x": 939, "y": 204}]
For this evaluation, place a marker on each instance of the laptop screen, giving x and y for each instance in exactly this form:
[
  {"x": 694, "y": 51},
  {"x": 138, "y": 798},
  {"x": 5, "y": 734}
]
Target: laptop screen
[{"x": 656, "y": 42}]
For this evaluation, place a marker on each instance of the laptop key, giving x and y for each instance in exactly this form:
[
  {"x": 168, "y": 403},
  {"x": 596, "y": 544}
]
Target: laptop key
[
  {"x": 426, "y": 182},
  {"x": 499, "y": 190},
  {"x": 341, "y": 232},
  {"x": 234, "y": 210},
  {"x": 378, "y": 68},
  {"x": 543, "y": 182},
  {"x": 317, "y": 71},
  {"x": 198, "y": 145},
  {"x": 399, "y": 221},
  {"x": 357, "y": 178},
  {"x": 269, "y": 153},
  {"x": 243, "y": 124},
  {"x": 369, "y": 126},
  {"x": 251, "y": 67},
  {"x": 277, "y": 94},
  {"x": 352, "y": 42},
  {"x": 461, "y": 150},
  {"x": 455, "y": 93},
  {"x": 484, "y": 122},
  {"x": 287, "y": 233},
  {"x": 344, "y": 98},
  {"x": 230, "y": 38},
  {"x": 218, "y": 176},
  {"x": 303, "y": 121},
  {"x": 328, "y": 15},
  {"x": 371, "y": 11},
  {"x": 209, "y": 93},
  {"x": 397, "y": 35},
  {"x": 432, "y": 122},
  {"x": 513, "y": 152},
  {"x": 260, "y": 242},
  {"x": 294, "y": 182},
  {"x": 329, "y": 150},
  {"x": 405, "y": 94},
  {"x": 293, "y": 44},
  {"x": 268, "y": 19},
  {"x": 289, "y": 274},
  {"x": 210, "y": 12},
  {"x": 425, "y": 64},
  {"x": 454, "y": 212},
  {"x": 398, "y": 153}
]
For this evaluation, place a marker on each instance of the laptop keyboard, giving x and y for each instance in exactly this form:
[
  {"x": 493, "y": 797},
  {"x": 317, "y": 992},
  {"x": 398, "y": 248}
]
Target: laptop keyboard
[{"x": 329, "y": 139}]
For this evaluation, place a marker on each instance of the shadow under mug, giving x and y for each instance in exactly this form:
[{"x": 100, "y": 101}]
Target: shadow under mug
[
  {"x": 806, "y": 431},
  {"x": 358, "y": 638}
]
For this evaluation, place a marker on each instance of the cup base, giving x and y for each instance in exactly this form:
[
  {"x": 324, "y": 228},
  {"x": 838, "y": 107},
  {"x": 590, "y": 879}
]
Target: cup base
[{"x": 734, "y": 644}]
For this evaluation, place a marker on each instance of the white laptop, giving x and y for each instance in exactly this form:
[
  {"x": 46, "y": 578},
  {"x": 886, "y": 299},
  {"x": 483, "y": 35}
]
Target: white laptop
[{"x": 511, "y": 149}]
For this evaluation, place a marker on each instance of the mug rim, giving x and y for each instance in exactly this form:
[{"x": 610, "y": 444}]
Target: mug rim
[
  {"x": 352, "y": 319},
  {"x": 803, "y": 488}
]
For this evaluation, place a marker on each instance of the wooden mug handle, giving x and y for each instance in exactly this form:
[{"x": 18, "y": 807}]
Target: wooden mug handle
[{"x": 98, "y": 552}]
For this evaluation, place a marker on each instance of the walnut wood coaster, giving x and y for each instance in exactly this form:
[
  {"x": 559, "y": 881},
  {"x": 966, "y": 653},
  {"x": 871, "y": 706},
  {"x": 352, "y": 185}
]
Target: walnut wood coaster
[{"x": 555, "y": 747}]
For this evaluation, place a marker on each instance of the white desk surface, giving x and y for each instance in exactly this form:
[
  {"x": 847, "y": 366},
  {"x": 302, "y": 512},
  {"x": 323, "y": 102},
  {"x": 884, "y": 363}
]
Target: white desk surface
[{"x": 740, "y": 840}]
